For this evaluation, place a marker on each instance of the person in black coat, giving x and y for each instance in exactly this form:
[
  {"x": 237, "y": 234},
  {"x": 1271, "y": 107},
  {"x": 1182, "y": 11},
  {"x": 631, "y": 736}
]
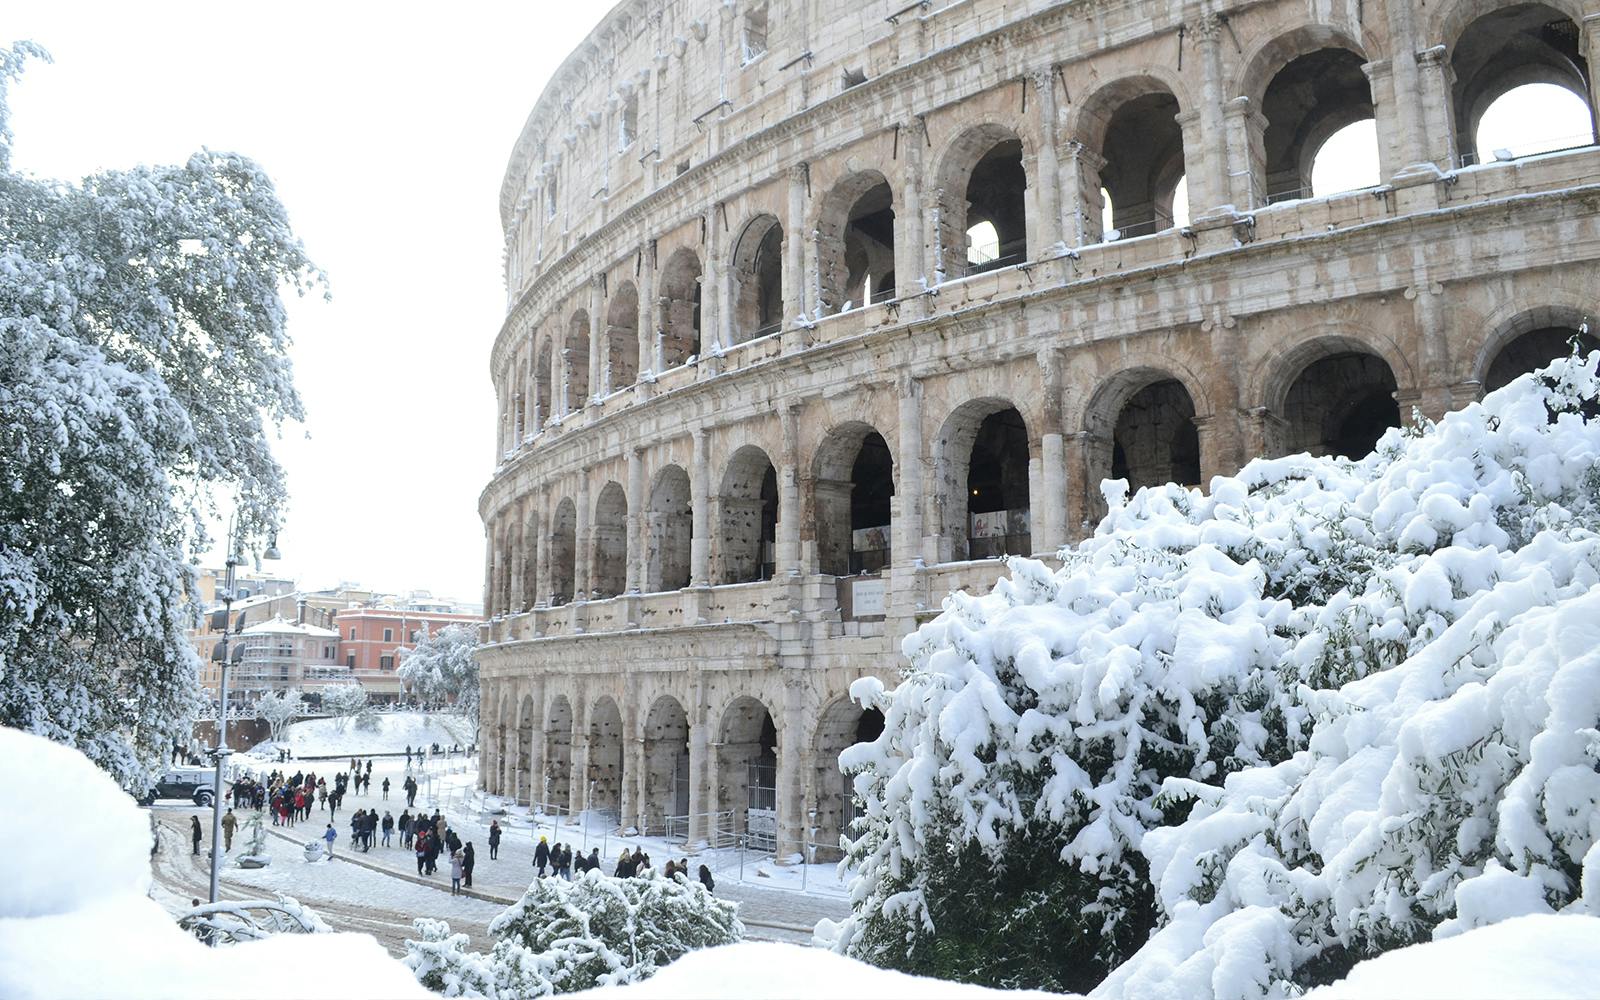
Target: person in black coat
[
  {"x": 706, "y": 880},
  {"x": 194, "y": 833},
  {"x": 541, "y": 856},
  {"x": 494, "y": 839},
  {"x": 468, "y": 859}
]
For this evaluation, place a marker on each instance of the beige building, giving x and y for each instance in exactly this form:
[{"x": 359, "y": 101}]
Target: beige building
[
  {"x": 816, "y": 309},
  {"x": 277, "y": 655}
]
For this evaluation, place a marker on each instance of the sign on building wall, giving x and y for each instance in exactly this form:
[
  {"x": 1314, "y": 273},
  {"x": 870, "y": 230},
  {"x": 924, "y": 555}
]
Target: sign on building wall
[{"x": 867, "y": 597}]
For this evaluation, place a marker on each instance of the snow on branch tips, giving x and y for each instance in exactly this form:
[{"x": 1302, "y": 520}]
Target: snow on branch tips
[{"x": 1242, "y": 740}]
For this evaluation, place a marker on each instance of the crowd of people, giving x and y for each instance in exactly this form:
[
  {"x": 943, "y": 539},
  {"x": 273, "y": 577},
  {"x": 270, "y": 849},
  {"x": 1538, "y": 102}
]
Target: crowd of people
[{"x": 558, "y": 858}]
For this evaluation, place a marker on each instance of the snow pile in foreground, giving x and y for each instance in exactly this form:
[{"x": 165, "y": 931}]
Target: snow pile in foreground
[
  {"x": 75, "y": 920},
  {"x": 753, "y": 970},
  {"x": 1325, "y": 711},
  {"x": 1499, "y": 961},
  {"x": 395, "y": 732}
]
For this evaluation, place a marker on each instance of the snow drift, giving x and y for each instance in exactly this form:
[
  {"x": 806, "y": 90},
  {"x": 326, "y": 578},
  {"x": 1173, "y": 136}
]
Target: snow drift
[{"x": 1327, "y": 710}]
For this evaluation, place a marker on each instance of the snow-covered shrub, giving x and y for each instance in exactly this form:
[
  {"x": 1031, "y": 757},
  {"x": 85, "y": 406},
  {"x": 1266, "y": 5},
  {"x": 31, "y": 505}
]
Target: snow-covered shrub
[
  {"x": 368, "y": 721},
  {"x": 562, "y": 936},
  {"x": 343, "y": 701},
  {"x": 1288, "y": 720}
]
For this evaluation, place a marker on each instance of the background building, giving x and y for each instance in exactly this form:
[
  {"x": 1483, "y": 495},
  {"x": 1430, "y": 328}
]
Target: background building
[{"x": 370, "y": 639}]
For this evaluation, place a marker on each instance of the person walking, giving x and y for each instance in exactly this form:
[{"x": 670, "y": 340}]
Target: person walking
[
  {"x": 330, "y": 835},
  {"x": 230, "y": 822},
  {"x": 706, "y": 880},
  {"x": 594, "y": 860},
  {"x": 405, "y": 829},
  {"x": 455, "y": 873},
  {"x": 388, "y": 827},
  {"x": 411, "y": 792},
  {"x": 355, "y": 829},
  {"x": 541, "y": 854},
  {"x": 194, "y": 833},
  {"x": 494, "y": 839},
  {"x": 386, "y": 789},
  {"x": 468, "y": 859},
  {"x": 422, "y": 851}
]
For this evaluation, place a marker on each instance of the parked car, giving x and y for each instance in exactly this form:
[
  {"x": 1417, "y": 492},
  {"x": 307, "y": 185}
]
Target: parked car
[{"x": 193, "y": 783}]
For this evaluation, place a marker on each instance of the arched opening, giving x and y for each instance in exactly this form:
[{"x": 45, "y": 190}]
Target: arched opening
[
  {"x": 1348, "y": 160},
  {"x": 622, "y": 338},
  {"x": 747, "y": 771},
  {"x": 1313, "y": 96},
  {"x": 843, "y": 725},
  {"x": 669, "y": 524},
  {"x": 983, "y": 478},
  {"x": 747, "y": 518},
  {"x": 1531, "y": 351},
  {"x": 1495, "y": 60},
  {"x": 605, "y": 759},
  {"x": 758, "y": 280},
  {"x": 855, "y": 233},
  {"x": 680, "y": 309},
  {"x": 542, "y": 408},
  {"x": 563, "y": 552},
  {"x": 556, "y": 793},
  {"x": 1141, "y": 145},
  {"x": 1155, "y": 440},
  {"x": 983, "y": 181},
  {"x": 520, "y": 778},
  {"x": 1341, "y": 405},
  {"x": 665, "y": 809},
  {"x": 610, "y": 542},
  {"x": 575, "y": 361},
  {"x": 853, "y": 496}
]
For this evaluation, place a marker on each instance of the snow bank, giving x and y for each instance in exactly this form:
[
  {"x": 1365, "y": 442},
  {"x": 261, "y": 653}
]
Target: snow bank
[
  {"x": 1489, "y": 962},
  {"x": 74, "y": 920},
  {"x": 765, "y": 971},
  {"x": 395, "y": 732}
]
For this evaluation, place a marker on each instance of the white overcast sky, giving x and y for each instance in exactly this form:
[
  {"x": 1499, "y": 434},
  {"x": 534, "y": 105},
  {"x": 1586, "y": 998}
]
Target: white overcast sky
[{"x": 386, "y": 128}]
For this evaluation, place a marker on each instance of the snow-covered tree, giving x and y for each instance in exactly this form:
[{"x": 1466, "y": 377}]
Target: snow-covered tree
[
  {"x": 279, "y": 708},
  {"x": 343, "y": 702},
  {"x": 142, "y": 355},
  {"x": 1327, "y": 709},
  {"x": 561, "y": 937},
  {"x": 441, "y": 669}
]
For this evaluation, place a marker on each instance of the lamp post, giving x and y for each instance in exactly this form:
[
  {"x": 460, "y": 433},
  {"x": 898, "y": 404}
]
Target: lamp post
[{"x": 221, "y": 752}]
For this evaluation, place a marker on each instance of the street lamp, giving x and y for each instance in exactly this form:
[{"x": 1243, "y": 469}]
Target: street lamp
[{"x": 220, "y": 655}]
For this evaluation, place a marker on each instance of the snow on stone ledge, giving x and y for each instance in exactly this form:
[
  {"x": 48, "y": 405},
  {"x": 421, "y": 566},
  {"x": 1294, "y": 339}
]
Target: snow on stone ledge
[
  {"x": 1543, "y": 956},
  {"x": 754, "y": 970},
  {"x": 75, "y": 920}
]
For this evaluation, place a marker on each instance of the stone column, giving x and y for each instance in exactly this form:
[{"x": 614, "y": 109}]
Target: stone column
[
  {"x": 716, "y": 319},
  {"x": 647, "y": 311},
  {"x": 1081, "y": 176},
  {"x": 517, "y": 560},
  {"x": 497, "y": 560},
  {"x": 699, "y": 764},
  {"x": 530, "y": 534},
  {"x": 700, "y": 494},
  {"x": 632, "y": 762},
  {"x": 583, "y": 550},
  {"x": 578, "y": 783},
  {"x": 1439, "y": 128},
  {"x": 1433, "y": 393},
  {"x": 561, "y": 376},
  {"x": 635, "y": 520},
  {"x": 1387, "y": 119},
  {"x": 908, "y": 466},
  {"x": 599, "y": 357},
  {"x": 1047, "y": 183},
  {"x": 788, "y": 796},
  {"x": 1205, "y": 162},
  {"x": 794, "y": 246},
  {"x": 1246, "y": 130},
  {"x": 1589, "y": 45},
  {"x": 910, "y": 245},
  {"x": 1079, "y": 504},
  {"x": 1050, "y": 518},
  {"x": 786, "y": 551},
  {"x": 542, "y": 557},
  {"x": 1410, "y": 140},
  {"x": 488, "y": 569}
]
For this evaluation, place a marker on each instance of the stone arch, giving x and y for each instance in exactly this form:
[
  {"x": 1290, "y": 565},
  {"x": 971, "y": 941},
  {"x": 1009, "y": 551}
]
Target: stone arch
[
  {"x": 1308, "y": 84},
  {"x": 981, "y": 460},
  {"x": 605, "y": 775},
  {"x": 982, "y": 180},
  {"x": 841, "y": 725},
  {"x": 563, "y": 551},
  {"x": 1131, "y": 125},
  {"x": 757, "y": 279},
  {"x": 669, "y": 526},
  {"x": 747, "y": 768},
  {"x": 1142, "y": 427},
  {"x": 543, "y": 374},
  {"x": 1528, "y": 340},
  {"x": 557, "y": 783},
  {"x": 1497, "y": 47},
  {"x": 622, "y": 337},
  {"x": 747, "y": 518},
  {"x": 855, "y": 241},
  {"x": 852, "y": 500},
  {"x": 666, "y": 765},
  {"x": 575, "y": 362},
  {"x": 679, "y": 325},
  {"x": 610, "y": 532},
  {"x": 1330, "y": 395}
]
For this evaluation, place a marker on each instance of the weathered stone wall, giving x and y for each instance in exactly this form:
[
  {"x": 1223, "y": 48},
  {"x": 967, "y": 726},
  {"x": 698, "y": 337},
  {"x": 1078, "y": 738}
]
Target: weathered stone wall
[{"x": 657, "y": 597}]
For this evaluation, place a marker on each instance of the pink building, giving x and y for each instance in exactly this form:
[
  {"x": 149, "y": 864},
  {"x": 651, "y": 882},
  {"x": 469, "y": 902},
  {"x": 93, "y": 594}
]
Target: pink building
[{"x": 370, "y": 640}]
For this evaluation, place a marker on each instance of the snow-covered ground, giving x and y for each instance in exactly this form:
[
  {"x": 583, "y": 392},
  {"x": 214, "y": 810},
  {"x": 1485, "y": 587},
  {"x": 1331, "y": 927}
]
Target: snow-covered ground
[{"x": 396, "y": 731}]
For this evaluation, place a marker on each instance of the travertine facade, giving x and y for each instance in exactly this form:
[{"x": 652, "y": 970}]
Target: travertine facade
[{"x": 812, "y": 315}]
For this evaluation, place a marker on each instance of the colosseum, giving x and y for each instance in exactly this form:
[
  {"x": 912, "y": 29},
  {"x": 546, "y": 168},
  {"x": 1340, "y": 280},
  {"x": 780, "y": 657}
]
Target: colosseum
[{"x": 818, "y": 308}]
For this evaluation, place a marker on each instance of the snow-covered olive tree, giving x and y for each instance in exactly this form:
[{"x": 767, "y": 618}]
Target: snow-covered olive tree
[
  {"x": 1325, "y": 709},
  {"x": 279, "y": 708},
  {"x": 344, "y": 701},
  {"x": 142, "y": 358},
  {"x": 441, "y": 669}
]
